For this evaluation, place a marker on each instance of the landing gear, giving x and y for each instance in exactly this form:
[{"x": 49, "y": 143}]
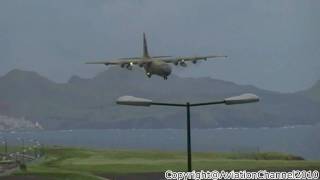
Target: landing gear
[
  {"x": 149, "y": 74},
  {"x": 165, "y": 77}
]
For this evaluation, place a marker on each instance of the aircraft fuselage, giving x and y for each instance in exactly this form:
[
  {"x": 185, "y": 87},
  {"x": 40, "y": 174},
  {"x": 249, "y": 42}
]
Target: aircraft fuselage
[
  {"x": 154, "y": 65},
  {"x": 157, "y": 67}
]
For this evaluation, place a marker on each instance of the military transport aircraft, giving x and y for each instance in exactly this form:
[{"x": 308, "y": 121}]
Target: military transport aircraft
[{"x": 158, "y": 65}]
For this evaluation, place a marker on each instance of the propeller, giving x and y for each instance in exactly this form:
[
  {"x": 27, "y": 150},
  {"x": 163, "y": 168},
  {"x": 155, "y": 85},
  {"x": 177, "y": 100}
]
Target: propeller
[
  {"x": 129, "y": 66},
  {"x": 183, "y": 63}
]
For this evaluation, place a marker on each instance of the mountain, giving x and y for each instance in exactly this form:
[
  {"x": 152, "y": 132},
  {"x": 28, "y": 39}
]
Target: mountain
[
  {"x": 314, "y": 92},
  {"x": 90, "y": 103}
]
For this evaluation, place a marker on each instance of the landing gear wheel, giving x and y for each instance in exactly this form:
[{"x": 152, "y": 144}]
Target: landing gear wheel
[
  {"x": 165, "y": 77},
  {"x": 149, "y": 75}
]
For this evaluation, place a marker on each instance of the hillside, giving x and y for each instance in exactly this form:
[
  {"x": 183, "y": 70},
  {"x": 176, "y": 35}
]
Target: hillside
[
  {"x": 314, "y": 92},
  {"x": 90, "y": 103}
]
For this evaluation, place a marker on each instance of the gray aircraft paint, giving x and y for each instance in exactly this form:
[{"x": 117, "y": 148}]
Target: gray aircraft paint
[{"x": 157, "y": 65}]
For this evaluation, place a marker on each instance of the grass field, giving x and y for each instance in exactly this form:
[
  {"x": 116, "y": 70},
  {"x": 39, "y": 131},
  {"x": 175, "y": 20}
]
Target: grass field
[{"x": 73, "y": 163}]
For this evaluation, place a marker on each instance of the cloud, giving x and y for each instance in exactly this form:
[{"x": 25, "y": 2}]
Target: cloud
[{"x": 270, "y": 44}]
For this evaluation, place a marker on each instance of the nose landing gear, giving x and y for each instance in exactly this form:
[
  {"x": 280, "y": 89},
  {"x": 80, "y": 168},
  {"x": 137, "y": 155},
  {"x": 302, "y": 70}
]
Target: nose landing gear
[{"x": 148, "y": 74}]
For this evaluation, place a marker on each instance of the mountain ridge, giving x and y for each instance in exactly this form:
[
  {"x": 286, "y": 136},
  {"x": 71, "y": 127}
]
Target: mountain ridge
[
  {"x": 90, "y": 103},
  {"x": 313, "y": 92}
]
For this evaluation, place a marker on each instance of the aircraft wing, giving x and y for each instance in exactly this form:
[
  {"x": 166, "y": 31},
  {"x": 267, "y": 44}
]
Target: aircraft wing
[
  {"x": 120, "y": 62},
  {"x": 193, "y": 59},
  {"x": 128, "y": 58}
]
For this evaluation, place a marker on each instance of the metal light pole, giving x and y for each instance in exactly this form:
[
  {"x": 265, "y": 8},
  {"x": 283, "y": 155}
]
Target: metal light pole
[
  {"x": 35, "y": 147},
  {"x": 134, "y": 101},
  {"x": 35, "y": 151},
  {"x": 23, "y": 150},
  {"x": 189, "y": 137},
  {"x": 5, "y": 146}
]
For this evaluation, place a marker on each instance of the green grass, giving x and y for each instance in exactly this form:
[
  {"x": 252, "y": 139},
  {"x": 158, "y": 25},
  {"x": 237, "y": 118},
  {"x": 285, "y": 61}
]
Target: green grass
[
  {"x": 10, "y": 149},
  {"x": 74, "y": 163}
]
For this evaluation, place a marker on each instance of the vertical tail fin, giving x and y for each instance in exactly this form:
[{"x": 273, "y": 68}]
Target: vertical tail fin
[{"x": 145, "y": 47}]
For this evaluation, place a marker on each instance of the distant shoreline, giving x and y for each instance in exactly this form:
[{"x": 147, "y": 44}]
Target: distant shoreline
[{"x": 133, "y": 129}]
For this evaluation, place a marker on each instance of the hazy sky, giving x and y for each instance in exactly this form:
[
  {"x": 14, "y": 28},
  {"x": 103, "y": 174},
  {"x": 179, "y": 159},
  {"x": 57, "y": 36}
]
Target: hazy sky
[{"x": 271, "y": 44}]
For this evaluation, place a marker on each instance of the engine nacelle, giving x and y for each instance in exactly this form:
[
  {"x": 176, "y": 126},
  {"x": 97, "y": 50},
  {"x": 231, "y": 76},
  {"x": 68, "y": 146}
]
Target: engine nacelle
[
  {"x": 183, "y": 64},
  {"x": 129, "y": 66}
]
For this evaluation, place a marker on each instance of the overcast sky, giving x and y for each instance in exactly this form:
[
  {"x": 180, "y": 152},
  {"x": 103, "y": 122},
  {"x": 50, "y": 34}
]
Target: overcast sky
[{"x": 271, "y": 44}]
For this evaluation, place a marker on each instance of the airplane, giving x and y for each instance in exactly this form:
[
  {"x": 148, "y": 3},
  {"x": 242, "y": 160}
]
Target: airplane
[{"x": 154, "y": 65}]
